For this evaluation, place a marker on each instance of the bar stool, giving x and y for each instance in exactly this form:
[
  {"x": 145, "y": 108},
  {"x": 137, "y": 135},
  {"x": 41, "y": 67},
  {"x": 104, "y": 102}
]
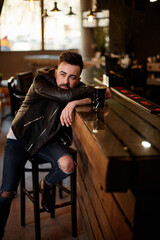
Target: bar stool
[{"x": 33, "y": 194}]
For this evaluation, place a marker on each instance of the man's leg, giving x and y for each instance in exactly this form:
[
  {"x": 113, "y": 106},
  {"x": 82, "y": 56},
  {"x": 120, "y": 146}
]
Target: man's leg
[
  {"x": 63, "y": 165},
  {"x": 5, "y": 204},
  {"x": 15, "y": 157}
]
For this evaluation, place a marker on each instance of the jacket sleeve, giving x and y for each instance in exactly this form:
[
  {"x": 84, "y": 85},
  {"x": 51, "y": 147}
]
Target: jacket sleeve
[{"x": 46, "y": 86}]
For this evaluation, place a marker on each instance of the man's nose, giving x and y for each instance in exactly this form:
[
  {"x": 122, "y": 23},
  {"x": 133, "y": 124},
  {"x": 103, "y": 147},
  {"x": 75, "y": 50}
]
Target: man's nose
[{"x": 66, "y": 80}]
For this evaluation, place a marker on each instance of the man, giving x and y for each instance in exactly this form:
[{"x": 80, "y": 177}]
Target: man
[{"x": 39, "y": 128}]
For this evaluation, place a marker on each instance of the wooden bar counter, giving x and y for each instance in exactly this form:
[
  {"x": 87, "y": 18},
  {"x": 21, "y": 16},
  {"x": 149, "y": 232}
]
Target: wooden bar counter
[{"x": 118, "y": 168}]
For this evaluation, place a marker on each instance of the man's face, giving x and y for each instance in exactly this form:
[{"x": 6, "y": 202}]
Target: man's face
[{"x": 67, "y": 75}]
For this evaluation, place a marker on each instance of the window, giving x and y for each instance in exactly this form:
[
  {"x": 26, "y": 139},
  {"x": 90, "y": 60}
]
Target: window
[
  {"x": 21, "y": 30},
  {"x": 62, "y": 31}
]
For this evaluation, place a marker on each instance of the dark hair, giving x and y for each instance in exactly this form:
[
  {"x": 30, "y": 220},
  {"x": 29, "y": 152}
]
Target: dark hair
[{"x": 71, "y": 58}]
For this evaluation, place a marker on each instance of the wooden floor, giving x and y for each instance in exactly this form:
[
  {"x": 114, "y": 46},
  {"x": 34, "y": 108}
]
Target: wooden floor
[{"x": 58, "y": 228}]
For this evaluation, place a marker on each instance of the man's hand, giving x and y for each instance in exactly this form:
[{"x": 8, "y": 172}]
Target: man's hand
[
  {"x": 108, "y": 93},
  {"x": 67, "y": 112}
]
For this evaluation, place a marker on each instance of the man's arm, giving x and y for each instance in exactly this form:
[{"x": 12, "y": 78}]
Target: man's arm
[
  {"x": 45, "y": 86},
  {"x": 67, "y": 113}
]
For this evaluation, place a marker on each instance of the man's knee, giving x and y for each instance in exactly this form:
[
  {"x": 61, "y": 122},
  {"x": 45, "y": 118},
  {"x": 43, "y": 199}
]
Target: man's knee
[
  {"x": 66, "y": 164},
  {"x": 9, "y": 195}
]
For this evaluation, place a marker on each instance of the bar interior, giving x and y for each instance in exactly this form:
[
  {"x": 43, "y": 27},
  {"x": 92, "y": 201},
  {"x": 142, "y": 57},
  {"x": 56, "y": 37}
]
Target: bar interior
[{"x": 114, "y": 192}]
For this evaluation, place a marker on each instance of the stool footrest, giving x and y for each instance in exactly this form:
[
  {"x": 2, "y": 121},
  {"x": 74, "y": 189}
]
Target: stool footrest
[
  {"x": 39, "y": 169},
  {"x": 28, "y": 193},
  {"x": 42, "y": 210},
  {"x": 63, "y": 204},
  {"x": 63, "y": 188}
]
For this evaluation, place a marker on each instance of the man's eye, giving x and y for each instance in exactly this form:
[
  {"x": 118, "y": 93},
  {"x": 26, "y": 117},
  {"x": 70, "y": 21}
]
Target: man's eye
[{"x": 73, "y": 77}]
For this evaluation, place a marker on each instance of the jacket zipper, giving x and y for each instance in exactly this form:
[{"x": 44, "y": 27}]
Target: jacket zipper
[
  {"x": 36, "y": 119},
  {"x": 45, "y": 128}
]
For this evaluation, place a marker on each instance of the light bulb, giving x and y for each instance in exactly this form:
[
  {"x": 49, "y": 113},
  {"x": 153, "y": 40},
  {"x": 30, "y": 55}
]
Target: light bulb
[
  {"x": 90, "y": 18},
  {"x": 31, "y": 5},
  {"x": 146, "y": 144},
  {"x": 55, "y": 14}
]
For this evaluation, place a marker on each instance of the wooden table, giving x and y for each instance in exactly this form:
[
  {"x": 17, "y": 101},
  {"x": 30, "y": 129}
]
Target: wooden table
[
  {"x": 36, "y": 61},
  {"x": 118, "y": 176}
]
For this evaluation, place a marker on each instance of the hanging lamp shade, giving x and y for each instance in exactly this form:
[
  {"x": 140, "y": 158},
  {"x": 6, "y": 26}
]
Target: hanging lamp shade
[
  {"x": 70, "y": 12},
  {"x": 55, "y": 9},
  {"x": 45, "y": 14}
]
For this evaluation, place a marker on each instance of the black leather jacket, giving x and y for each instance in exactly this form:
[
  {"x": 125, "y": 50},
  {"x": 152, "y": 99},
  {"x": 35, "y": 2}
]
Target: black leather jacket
[{"x": 38, "y": 119}]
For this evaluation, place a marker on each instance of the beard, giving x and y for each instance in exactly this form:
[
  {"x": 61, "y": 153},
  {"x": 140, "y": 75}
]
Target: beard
[{"x": 65, "y": 86}]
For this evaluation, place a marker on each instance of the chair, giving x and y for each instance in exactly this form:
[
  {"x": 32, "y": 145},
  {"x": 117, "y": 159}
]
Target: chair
[
  {"x": 4, "y": 99},
  {"x": 16, "y": 97},
  {"x": 34, "y": 195},
  {"x": 24, "y": 81},
  {"x": 43, "y": 69}
]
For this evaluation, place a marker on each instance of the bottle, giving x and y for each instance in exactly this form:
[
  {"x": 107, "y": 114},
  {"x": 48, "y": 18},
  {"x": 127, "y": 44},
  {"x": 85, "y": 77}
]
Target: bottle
[{"x": 107, "y": 70}]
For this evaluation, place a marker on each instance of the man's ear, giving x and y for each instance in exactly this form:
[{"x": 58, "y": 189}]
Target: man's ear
[
  {"x": 55, "y": 73},
  {"x": 79, "y": 79}
]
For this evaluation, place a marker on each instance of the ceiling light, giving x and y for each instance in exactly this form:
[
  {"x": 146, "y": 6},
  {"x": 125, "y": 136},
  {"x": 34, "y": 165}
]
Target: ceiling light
[
  {"x": 45, "y": 14},
  {"x": 55, "y": 9},
  {"x": 32, "y": 4},
  {"x": 91, "y": 15},
  {"x": 70, "y": 12}
]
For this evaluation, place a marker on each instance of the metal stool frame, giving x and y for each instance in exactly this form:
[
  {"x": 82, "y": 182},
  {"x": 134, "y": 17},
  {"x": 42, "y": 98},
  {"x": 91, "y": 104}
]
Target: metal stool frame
[{"x": 34, "y": 195}]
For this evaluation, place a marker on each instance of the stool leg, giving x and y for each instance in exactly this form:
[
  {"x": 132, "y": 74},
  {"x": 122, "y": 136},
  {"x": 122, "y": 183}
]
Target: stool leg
[
  {"x": 74, "y": 204},
  {"x": 60, "y": 190},
  {"x": 35, "y": 179},
  {"x": 54, "y": 201},
  {"x": 22, "y": 200}
]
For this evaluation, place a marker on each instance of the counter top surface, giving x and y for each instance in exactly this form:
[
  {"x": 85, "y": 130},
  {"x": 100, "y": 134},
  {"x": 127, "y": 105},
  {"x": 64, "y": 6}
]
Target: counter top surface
[{"x": 128, "y": 127}]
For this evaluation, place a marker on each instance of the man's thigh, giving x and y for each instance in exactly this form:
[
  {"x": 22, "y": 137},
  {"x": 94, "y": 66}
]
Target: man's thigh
[{"x": 52, "y": 152}]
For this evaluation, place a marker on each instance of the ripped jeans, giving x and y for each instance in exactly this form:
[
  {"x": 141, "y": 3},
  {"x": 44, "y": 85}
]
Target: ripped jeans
[{"x": 15, "y": 157}]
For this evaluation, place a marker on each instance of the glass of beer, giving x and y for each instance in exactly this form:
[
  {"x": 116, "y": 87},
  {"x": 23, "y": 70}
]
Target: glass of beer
[{"x": 99, "y": 96}]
